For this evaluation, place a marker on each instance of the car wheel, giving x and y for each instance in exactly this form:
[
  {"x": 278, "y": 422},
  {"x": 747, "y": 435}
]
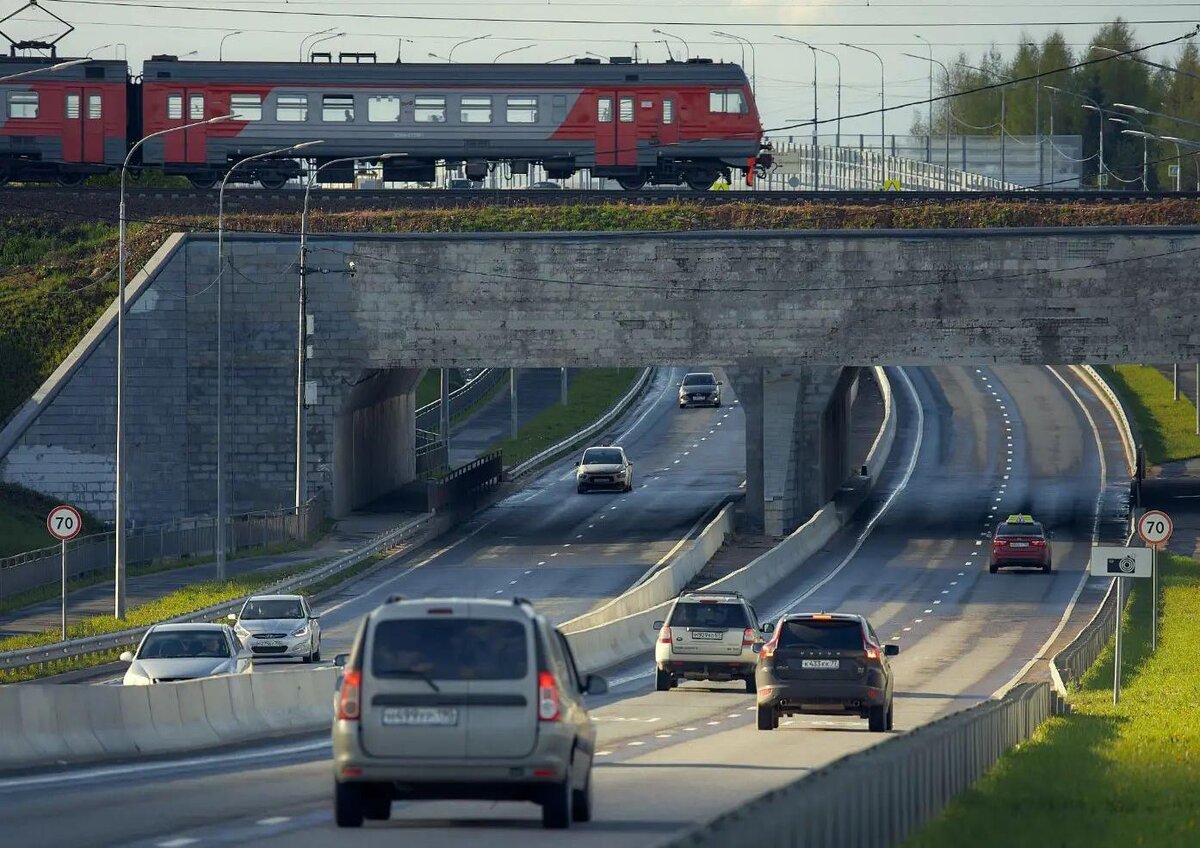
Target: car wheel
[
  {"x": 377, "y": 803},
  {"x": 877, "y": 718},
  {"x": 581, "y": 489},
  {"x": 992, "y": 568},
  {"x": 890, "y": 715},
  {"x": 317, "y": 653},
  {"x": 347, "y": 805},
  {"x": 307, "y": 658},
  {"x": 768, "y": 719},
  {"x": 662, "y": 680},
  {"x": 751, "y": 684},
  {"x": 581, "y": 801},
  {"x": 556, "y": 806},
  {"x": 1047, "y": 568},
  {"x": 717, "y": 405}
]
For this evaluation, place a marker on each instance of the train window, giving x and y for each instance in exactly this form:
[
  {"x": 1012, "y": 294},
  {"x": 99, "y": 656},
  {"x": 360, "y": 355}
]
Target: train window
[
  {"x": 248, "y": 107},
  {"x": 291, "y": 107},
  {"x": 726, "y": 101},
  {"x": 337, "y": 108},
  {"x": 94, "y": 107},
  {"x": 668, "y": 111},
  {"x": 522, "y": 110},
  {"x": 174, "y": 107},
  {"x": 196, "y": 107},
  {"x": 72, "y": 107},
  {"x": 626, "y": 115},
  {"x": 22, "y": 104},
  {"x": 430, "y": 110},
  {"x": 475, "y": 110},
  {"x": 604, "y": 110},
  {"x": 383, "y": 108}
]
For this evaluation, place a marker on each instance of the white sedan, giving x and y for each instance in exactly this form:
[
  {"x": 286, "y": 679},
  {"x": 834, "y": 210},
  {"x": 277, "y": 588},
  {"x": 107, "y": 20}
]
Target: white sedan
[{"x": 173, "y": 652}]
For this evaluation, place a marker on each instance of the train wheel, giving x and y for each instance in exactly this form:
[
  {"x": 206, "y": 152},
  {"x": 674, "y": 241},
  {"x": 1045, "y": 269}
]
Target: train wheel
[
  {"x": 700, "y": 180},
  {"x": 70, "y": 179},
  {"x": 631, "y": 183},
  {"x": 202, "y": 180},
  {"x": 273, "y": 182},
  {"x": 5, "y": 174}
]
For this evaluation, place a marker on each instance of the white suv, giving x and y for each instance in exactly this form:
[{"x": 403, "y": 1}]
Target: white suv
[
  {"x": 707, "y": 636},
  {"x": 462, "y": 698}
]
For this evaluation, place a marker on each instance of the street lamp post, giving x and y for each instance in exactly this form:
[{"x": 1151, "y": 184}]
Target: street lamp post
[
  {"x": 61, "y": 66},
  {"x": 928, "y": 135},
  {"x": 1037, "y": 116},
  {"x": 450, "y": 55},
  {"x": 220, "y": 540},
  {"x": 815, "y": 119},
  {"x": 753, "y": 57},
  {"x": 1003, "y": 117},
  {"x": 320, "y": 40},
  {"x": 1145, "y": 136},
  {"x": 1095, "y": 107},
  {"x": 687, "y": 49},
  {"x": 946, "y": 70},
  {"x": 440, "y": 58},
  {"x": 119, "y": 471},
  {"x": 514, "y": 50},
  {"x": 221, "y": 47},
  {"x": 882, "y": 106},
  {"x": 302, "y": 322},
  {"x": 304, "y": 40}
]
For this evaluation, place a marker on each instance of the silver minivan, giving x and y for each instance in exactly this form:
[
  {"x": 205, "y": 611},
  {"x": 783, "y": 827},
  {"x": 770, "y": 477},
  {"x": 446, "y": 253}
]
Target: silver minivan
[{"x": 462, "y": 698}]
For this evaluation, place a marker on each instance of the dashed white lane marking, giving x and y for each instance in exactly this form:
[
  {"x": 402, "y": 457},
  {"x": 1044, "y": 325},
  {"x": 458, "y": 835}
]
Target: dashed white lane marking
[
  {"x": 696, "y": 445},
  {"x": 735, "y": 715},
  {"x": 566, "y": 544},
  {"x": 635, "y": 744},
  {"x": 906, "y": 629},
  {"x": 499, "y": 591},
  {"x": 689, "y": 729},
  {"x": 935, "y": 603},
  {"x": 580, "y": 536},
  {"x": 543, "y": 562},
  {"x": 704, "y": 438},
  {"x": 945, "y": 591},
  {"x": 530, "y": 572},
  {"x": 512, "y": 582},
  {"x": 711, "y": 723},
  {"x": 662, "y": 736},
  {"x": 918, "y": 620},
  {"x": 274, "y": 820},
  {"x": 177, "y": 843},
  {"x": 927, "y": 612},
  {"x": 603, "y": 753},
  {"x": 676, "y": 462},
  {"x": 687, "y": 453},
  {"x": 955, "y": 582},
  {"x": 961, "y": 573}
]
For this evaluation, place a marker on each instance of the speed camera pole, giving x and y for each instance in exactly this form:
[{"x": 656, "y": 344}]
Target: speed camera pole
[{"x": 1117, "y": 642}]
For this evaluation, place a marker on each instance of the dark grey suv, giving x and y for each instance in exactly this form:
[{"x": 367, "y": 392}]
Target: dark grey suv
[{"x": 825, "y": 664}]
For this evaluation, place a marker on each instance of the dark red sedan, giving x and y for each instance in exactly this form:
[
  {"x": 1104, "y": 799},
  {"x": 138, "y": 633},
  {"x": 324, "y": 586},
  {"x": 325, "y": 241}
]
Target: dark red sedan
[{"x": 1020, "y": 542}]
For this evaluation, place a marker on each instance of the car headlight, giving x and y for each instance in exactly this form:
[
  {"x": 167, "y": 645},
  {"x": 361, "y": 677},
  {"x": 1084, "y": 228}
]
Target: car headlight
[
  {"x": 134, "y": 677},
  {"x": 302, "y": 630}
]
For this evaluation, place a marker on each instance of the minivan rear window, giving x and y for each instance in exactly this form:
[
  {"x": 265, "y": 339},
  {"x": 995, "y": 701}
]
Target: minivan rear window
[
  {"x": 835, "y": 635},
  {"x": 716, "y": 616},
  {"x": 451, "y": 649}
]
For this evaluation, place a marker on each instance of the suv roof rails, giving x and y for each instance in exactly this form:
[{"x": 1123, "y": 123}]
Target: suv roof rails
[
  {"x": 728, "y": 594},
  {"x": 394, "y": 599}
]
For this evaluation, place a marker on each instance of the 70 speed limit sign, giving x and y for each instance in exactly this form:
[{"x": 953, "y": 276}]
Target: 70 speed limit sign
[
  {"x": 1155, "y": 527},
  {"x": 64, "y": 523}
]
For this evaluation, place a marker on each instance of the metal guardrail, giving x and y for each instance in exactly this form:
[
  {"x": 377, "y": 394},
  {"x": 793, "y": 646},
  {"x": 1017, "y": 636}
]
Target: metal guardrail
[
  {"x": 1070, "y": 664},
  {"x": 186, "y": 537},
  {"x": 878, "y": 797},
  {"x": 614, "y": 412},
  {"x": 849, "y": 169},
  {"x": 461, "y": 398},
  {"x": 94, "y": 644}
]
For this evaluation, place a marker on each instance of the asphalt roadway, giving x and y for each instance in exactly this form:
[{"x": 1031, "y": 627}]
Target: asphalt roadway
[{"x": 973, "y": 446}]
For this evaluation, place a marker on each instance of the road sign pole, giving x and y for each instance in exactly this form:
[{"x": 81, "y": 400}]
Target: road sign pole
[
  {"x": 1154, "y": 600},
  {"x": 63, "y": 543},
  {"x": 1117, "y": 643}
]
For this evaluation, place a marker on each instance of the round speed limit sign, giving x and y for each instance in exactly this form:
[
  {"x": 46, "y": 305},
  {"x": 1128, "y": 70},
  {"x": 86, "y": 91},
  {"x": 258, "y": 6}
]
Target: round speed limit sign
[
  {"x": 64, "y": 523},
  {"x": 1155, "y": 527}
]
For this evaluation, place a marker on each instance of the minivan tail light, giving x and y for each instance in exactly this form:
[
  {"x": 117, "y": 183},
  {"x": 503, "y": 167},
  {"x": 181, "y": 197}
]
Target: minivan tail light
[
  {"x": 547, "y": 697},
  {"x": 350, "y": 697},
  {"x": 748, "y": 637},
  {"x": 664, "y": 635}
]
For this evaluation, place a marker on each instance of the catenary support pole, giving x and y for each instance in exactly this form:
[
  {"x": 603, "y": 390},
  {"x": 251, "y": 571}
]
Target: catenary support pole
[{"x": 562, "y": 387}]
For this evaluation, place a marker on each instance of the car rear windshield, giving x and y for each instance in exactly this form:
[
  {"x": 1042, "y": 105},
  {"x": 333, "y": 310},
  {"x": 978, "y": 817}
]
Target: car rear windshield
[
  {"x": 274, "y": 608},
  {"x": 1019, "y": 530},
  {"x": 181, "y": 644},
  {"x": 835, "y": 635},
  {"x": 716, "y": 616},
  {"x": 601, "y": 456},
  {"x": 451, "y": 649},
  {"x": 699, "y": 380}
]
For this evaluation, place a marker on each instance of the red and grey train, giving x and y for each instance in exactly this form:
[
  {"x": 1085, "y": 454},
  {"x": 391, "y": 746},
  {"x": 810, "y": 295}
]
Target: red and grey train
[{"x": 638, "y": 123}]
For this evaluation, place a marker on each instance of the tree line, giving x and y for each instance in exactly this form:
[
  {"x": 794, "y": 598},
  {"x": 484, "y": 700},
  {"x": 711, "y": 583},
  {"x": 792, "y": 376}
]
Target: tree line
[{"x": 1072, "y": 109}]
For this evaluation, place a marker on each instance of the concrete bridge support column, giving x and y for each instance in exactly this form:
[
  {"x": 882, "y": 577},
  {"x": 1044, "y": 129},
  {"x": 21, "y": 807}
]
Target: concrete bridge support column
[
  {"x": 797, "y": 434},
  {"x": 374, "y": 438}
]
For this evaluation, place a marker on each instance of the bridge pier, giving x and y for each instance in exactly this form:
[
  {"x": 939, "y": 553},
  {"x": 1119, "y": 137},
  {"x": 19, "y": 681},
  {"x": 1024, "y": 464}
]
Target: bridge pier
[{"x": 797, "y": 440}]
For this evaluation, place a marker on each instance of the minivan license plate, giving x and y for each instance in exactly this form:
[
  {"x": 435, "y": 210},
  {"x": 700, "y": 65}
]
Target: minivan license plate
[
  {"x": 827, "y": 664},
  {"x": 707, "y": 634},
  {"x": 420, "y": 716}
]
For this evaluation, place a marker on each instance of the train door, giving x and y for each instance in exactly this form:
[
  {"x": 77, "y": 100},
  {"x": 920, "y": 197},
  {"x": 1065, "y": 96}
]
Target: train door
[
  {"x": 73, "y": 125},
  {"x": 668, "y": 120},
  {"x": 184, "y": 107},
  {"x": 93, "y": 126},
  {"x": 626, "y": 130},
  {"x": 616, "y": 129}
]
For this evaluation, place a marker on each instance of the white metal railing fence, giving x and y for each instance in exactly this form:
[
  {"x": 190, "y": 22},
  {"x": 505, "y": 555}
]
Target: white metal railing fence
[
  {"x": 185, "y": 537},
  {"x": 461, "y": 398}
]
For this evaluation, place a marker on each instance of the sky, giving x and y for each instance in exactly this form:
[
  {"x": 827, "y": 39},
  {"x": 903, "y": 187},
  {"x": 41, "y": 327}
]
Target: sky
[{"x": 273, "y": 30}]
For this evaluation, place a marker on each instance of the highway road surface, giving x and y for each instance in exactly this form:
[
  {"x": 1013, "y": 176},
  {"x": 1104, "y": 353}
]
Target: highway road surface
[{"x": 973, "y": 446}]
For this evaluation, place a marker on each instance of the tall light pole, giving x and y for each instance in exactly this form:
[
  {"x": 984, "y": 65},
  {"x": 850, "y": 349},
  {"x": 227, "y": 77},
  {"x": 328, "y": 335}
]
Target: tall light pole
[
  {"x": 220, "y": 541},
  {"x": 438, "y": 57},
  {"x": 815, "y": 119},
  {"x": 119, "y": 483},
  {"x": 304, "y": 40},
  {"x": 1037, "y": 116},
  {"x": 838, "y": 136},
  {"x": 1100, "y": 178},
  {"x": 514, "y": 50},
  {"x": 97, "y": 50},
  {"x": 753, "y": 57},
  {"x": 882, "y": 106},
  {"x": 561, "y": 58},
  {"x": 1145, "y": 136},
  {"x": 928, "y": 135},
  {"x": 450, "y": 55},
  {"x": 946, "y": 70},
  {"x": 49, "y": 69},
  {"x": 1003, "y": 116},
  {"x": 221, "y": 46},
  {"x": 687, "y": 48},
  {"x": 300, "y": 476}
]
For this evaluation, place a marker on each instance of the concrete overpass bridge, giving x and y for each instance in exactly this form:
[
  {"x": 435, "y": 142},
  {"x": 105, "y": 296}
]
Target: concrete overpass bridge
[{"x": 784, "y": 312}]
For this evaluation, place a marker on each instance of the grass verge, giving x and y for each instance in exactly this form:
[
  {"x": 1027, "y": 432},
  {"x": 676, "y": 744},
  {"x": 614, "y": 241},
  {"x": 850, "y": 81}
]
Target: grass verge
[
  {"x": 1166, "y": 427},
  {"x": 1105, "y": 776},
  {"x": 591, "y": 393},
  {"x": 23, "y": 520}
]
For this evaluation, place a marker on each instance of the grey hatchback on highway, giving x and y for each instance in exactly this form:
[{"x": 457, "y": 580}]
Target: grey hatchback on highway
[{"x": 462, "y": 699}]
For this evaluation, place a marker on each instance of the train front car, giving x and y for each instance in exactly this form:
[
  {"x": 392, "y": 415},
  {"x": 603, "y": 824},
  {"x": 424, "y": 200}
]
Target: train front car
[
  {"x": 61, "y": 125},
  {"x": 670, "y": 123}
]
